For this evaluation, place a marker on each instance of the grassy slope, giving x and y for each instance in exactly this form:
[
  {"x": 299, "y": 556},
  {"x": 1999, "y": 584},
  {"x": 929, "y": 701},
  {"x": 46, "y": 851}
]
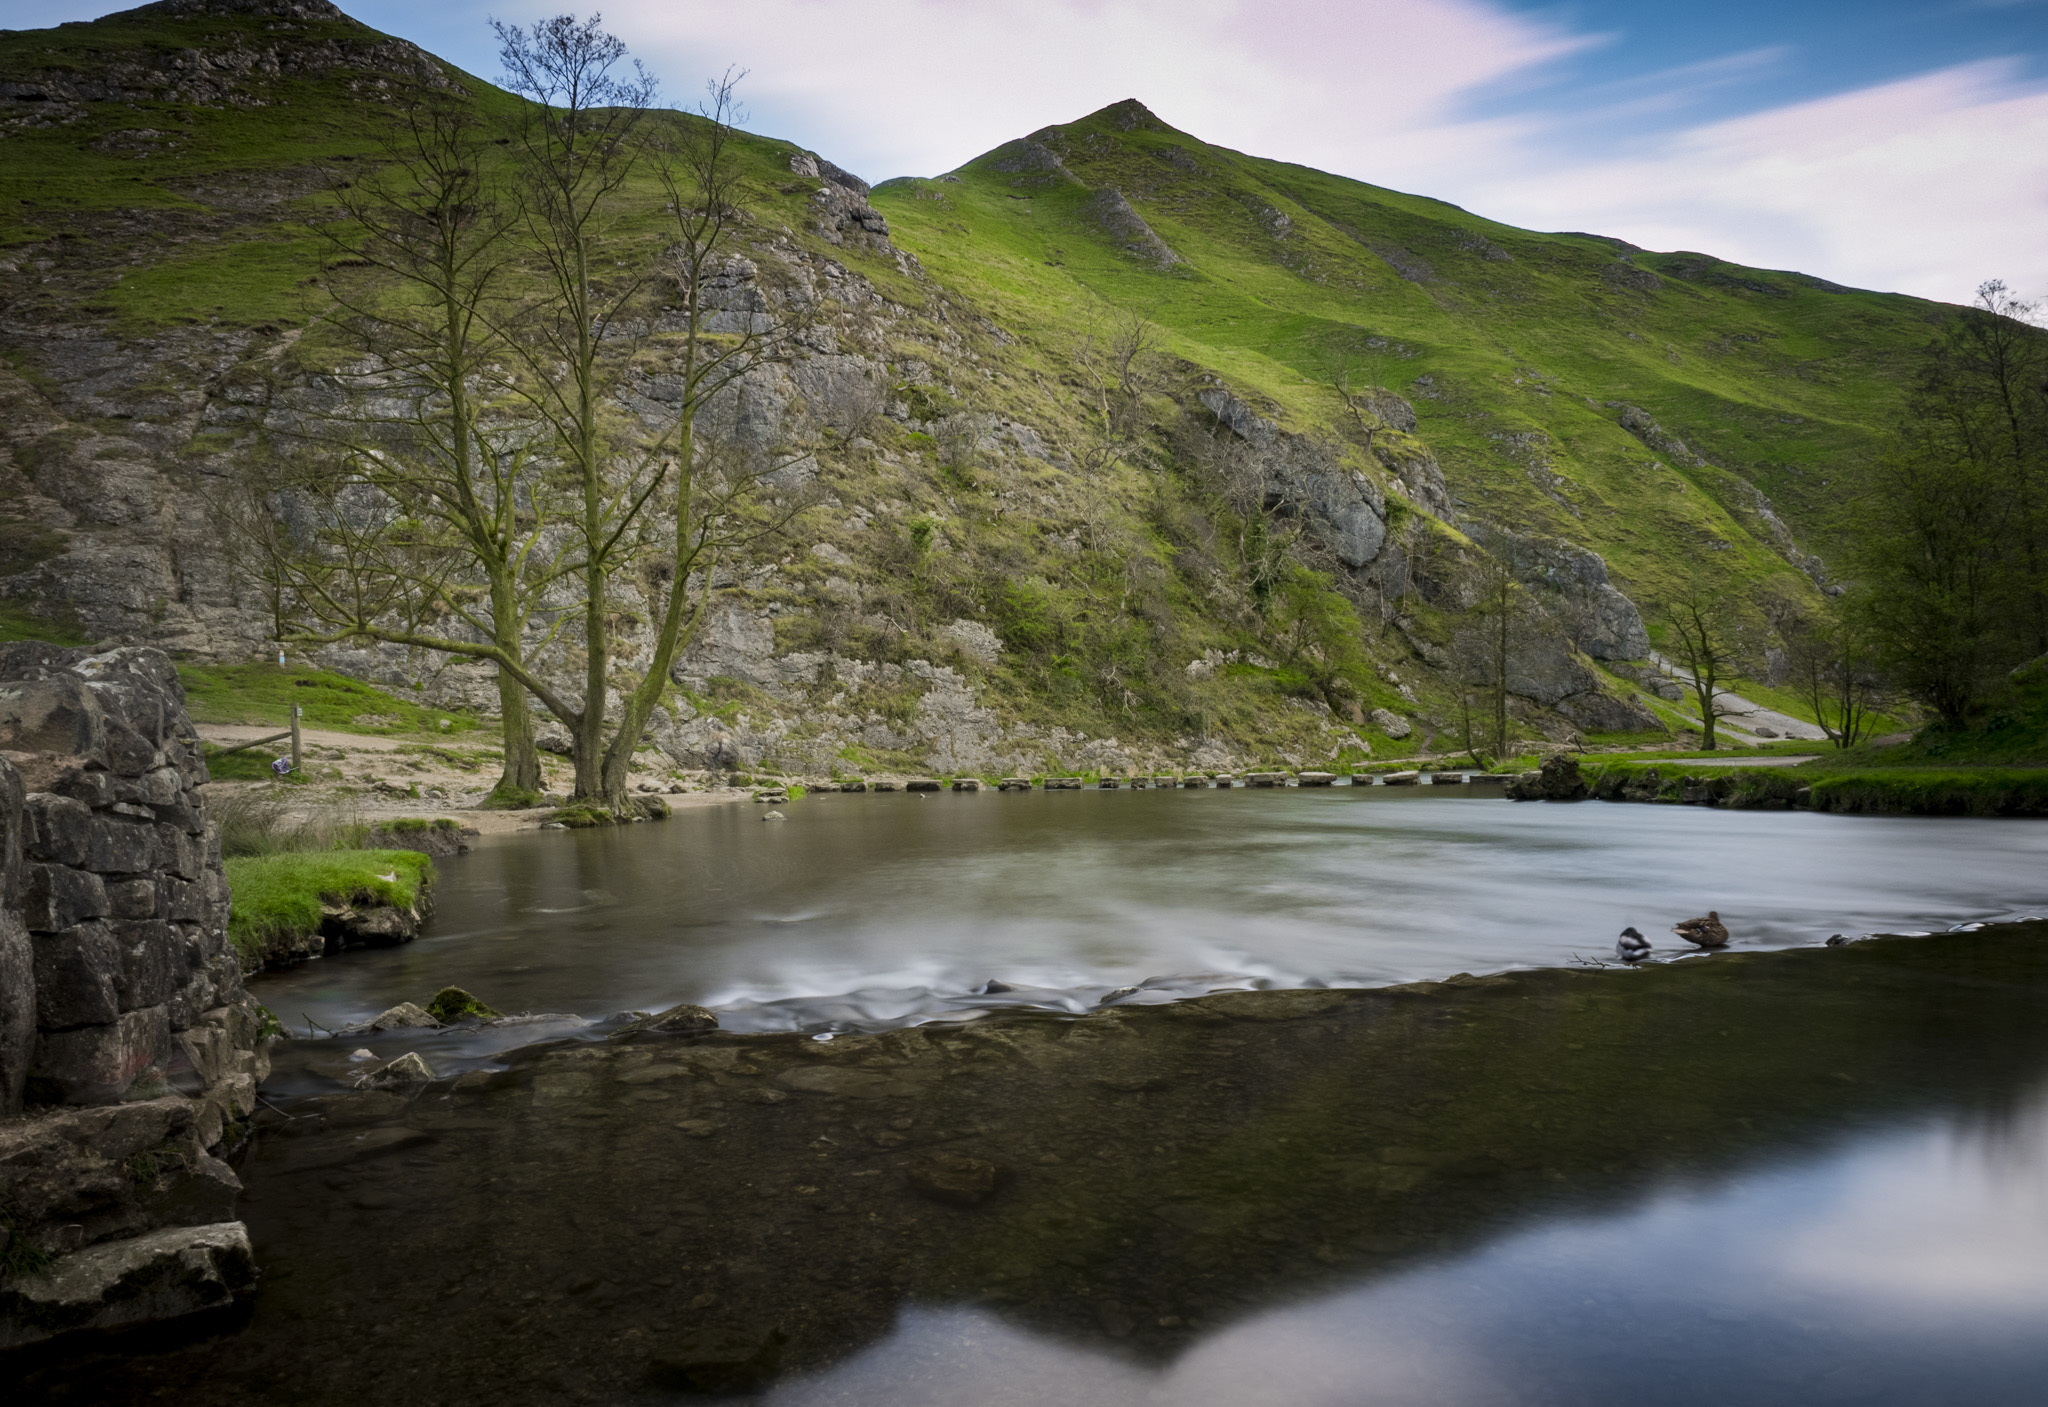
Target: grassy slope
[
  {"x": 1788, "y": 384},
  {"x": 264, "y": 694}
]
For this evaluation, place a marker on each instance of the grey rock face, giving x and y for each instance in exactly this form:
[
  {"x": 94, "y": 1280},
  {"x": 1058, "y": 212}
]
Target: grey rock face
[
  {"x": 98, "y": 1064},
  {"x": 1591, "y": 609},
  {"x": 77, "y": 977},
  {"x": 1345, "y": 509}
]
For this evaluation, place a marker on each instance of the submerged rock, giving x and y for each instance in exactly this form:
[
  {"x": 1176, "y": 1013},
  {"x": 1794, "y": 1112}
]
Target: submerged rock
[
  {"x": 678, "y": 1020},
  {"x": 717, "y": 1361},
  {"x": 955, "y": 1179},
  {"x": 158, "y": 1275}
]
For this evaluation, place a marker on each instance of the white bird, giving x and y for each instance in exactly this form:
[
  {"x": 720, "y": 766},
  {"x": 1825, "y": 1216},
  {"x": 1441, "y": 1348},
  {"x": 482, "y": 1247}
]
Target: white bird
[{"x": 1633, "y": 946}]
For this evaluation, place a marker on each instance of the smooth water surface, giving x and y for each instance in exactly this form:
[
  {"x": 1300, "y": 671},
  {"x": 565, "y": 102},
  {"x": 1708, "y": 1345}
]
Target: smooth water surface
[
  {"x": 1909, "y": 1267},
  {"x": 1773, "y": 1179},
  {"x": 865, "y": 911}
]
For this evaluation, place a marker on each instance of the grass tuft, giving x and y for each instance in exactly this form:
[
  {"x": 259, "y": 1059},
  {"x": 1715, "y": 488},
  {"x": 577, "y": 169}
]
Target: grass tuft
[{"x": 280, "y": 895}]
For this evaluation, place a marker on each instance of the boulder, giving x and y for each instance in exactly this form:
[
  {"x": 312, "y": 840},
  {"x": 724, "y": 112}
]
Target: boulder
[
  {"x": 56, "y": 829},
  {"x": 408, "y": 1069},
  {"x": 452, "y": 1004},
  {"x": 404, "y": 1016},
  {"x": 1391, "y": 723},
  {"x": 1558, "y": 780},
  {"x": 57, "y": 714},
  {"x": 156, "y": 1276}
]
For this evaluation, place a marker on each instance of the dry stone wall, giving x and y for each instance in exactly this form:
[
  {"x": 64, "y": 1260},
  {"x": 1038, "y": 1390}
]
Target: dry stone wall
[{"x": 129, "y": 1050}]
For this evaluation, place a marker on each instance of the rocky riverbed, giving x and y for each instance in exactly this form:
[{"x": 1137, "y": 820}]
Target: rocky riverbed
[{"x": 621, "y": 1219}]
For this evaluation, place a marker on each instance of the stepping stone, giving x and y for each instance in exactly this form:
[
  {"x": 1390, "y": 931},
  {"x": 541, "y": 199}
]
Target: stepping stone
[
  {"x": 1317, "y": 779},
  {"x": 923, "y": 784}
]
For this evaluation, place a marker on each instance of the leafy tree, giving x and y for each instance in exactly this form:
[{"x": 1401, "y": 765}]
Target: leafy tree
[{"x": 1946, "y": 533}]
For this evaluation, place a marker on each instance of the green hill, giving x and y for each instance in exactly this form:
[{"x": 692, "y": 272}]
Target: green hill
[{"x": 1262, "y": 537}]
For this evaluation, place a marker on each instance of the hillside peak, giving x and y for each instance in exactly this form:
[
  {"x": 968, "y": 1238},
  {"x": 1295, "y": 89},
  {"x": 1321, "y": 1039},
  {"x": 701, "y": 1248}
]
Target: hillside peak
[
  {"x": 1130, "y": 115},
  {"x": 276, "y": 9}
]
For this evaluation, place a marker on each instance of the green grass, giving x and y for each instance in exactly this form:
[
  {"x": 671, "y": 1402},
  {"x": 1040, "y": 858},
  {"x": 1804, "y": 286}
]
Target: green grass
[
  {"x": 248, "y": 765},
  {"x": 280, "y": 896},
  {"x": 264, "y": 694},
  {"x": 20, "y": 622}
]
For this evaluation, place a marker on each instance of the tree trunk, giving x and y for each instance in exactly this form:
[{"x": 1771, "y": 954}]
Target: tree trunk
[{"x": 521, "y": 778}]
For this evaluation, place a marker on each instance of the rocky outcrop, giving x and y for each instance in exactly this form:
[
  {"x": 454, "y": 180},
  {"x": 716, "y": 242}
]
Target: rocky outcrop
[
  {"x": 129, "y": 1050},
  {"x": 1600, "y": 620},
  {"x": 1346, "y": 510},
  {"x": 1109, "y": 210}
]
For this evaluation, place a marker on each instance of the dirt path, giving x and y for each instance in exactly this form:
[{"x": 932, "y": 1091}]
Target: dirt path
[
  {"x": 385, "y": 779},
  {"x": 1749, "y": 716}
]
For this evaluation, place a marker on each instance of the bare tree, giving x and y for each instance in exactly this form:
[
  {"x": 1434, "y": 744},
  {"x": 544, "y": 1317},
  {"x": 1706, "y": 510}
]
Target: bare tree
[
  {"x": 1486, "y": 658},
  {"x": 959, "y": 437},
  {"x": 646, "y": 487},
  {"x": 419, "y": 450},
  {"x": 1711, "y": 645},
  {"x": 1830, "y": 664}
]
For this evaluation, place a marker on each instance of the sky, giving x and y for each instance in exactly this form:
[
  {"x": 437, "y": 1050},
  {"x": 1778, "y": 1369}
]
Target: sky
[{"x": 1890, "y": 144}]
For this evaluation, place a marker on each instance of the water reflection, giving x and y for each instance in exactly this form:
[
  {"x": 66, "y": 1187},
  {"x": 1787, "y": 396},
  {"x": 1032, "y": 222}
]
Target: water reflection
[
  {"x": 1802, "y": 1176},
  {"x": 1908, "y": 1268},
  {"x": 860, "y": 912}
]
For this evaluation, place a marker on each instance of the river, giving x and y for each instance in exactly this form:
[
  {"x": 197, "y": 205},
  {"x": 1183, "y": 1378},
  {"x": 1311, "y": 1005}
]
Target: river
[{"x": 1782, "y": 1174}]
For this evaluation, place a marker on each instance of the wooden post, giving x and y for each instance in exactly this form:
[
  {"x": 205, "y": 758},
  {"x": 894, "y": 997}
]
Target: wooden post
[{"x": 295, "y": 738}]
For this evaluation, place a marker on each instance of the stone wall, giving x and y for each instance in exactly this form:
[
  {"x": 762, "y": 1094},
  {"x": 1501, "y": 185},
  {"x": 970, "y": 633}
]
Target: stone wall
[{"x": 129, "y": 1051}]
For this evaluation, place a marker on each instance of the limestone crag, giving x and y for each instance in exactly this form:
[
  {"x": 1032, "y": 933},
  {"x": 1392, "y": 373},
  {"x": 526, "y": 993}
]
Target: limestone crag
[{"x": 129, "y": 1050}]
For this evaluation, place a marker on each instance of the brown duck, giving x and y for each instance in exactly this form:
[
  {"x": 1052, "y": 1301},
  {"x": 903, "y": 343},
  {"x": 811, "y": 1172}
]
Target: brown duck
[{"x": 1708, "y": 932}]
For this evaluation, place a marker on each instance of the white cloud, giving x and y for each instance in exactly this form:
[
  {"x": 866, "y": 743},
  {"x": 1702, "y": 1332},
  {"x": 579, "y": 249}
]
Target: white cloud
[{"x": 1929, "y": 186}]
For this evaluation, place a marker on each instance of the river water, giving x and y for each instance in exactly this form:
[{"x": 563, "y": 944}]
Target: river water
[
  {"x": 866, "y": 911},
  {"x": 1786, "y": 1174}
]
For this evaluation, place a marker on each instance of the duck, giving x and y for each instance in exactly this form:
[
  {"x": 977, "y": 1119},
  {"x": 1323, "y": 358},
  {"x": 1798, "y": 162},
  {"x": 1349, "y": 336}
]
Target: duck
[
  {"x": 1633, "y": 946},
  {"x": 1708, "y": 932}
]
